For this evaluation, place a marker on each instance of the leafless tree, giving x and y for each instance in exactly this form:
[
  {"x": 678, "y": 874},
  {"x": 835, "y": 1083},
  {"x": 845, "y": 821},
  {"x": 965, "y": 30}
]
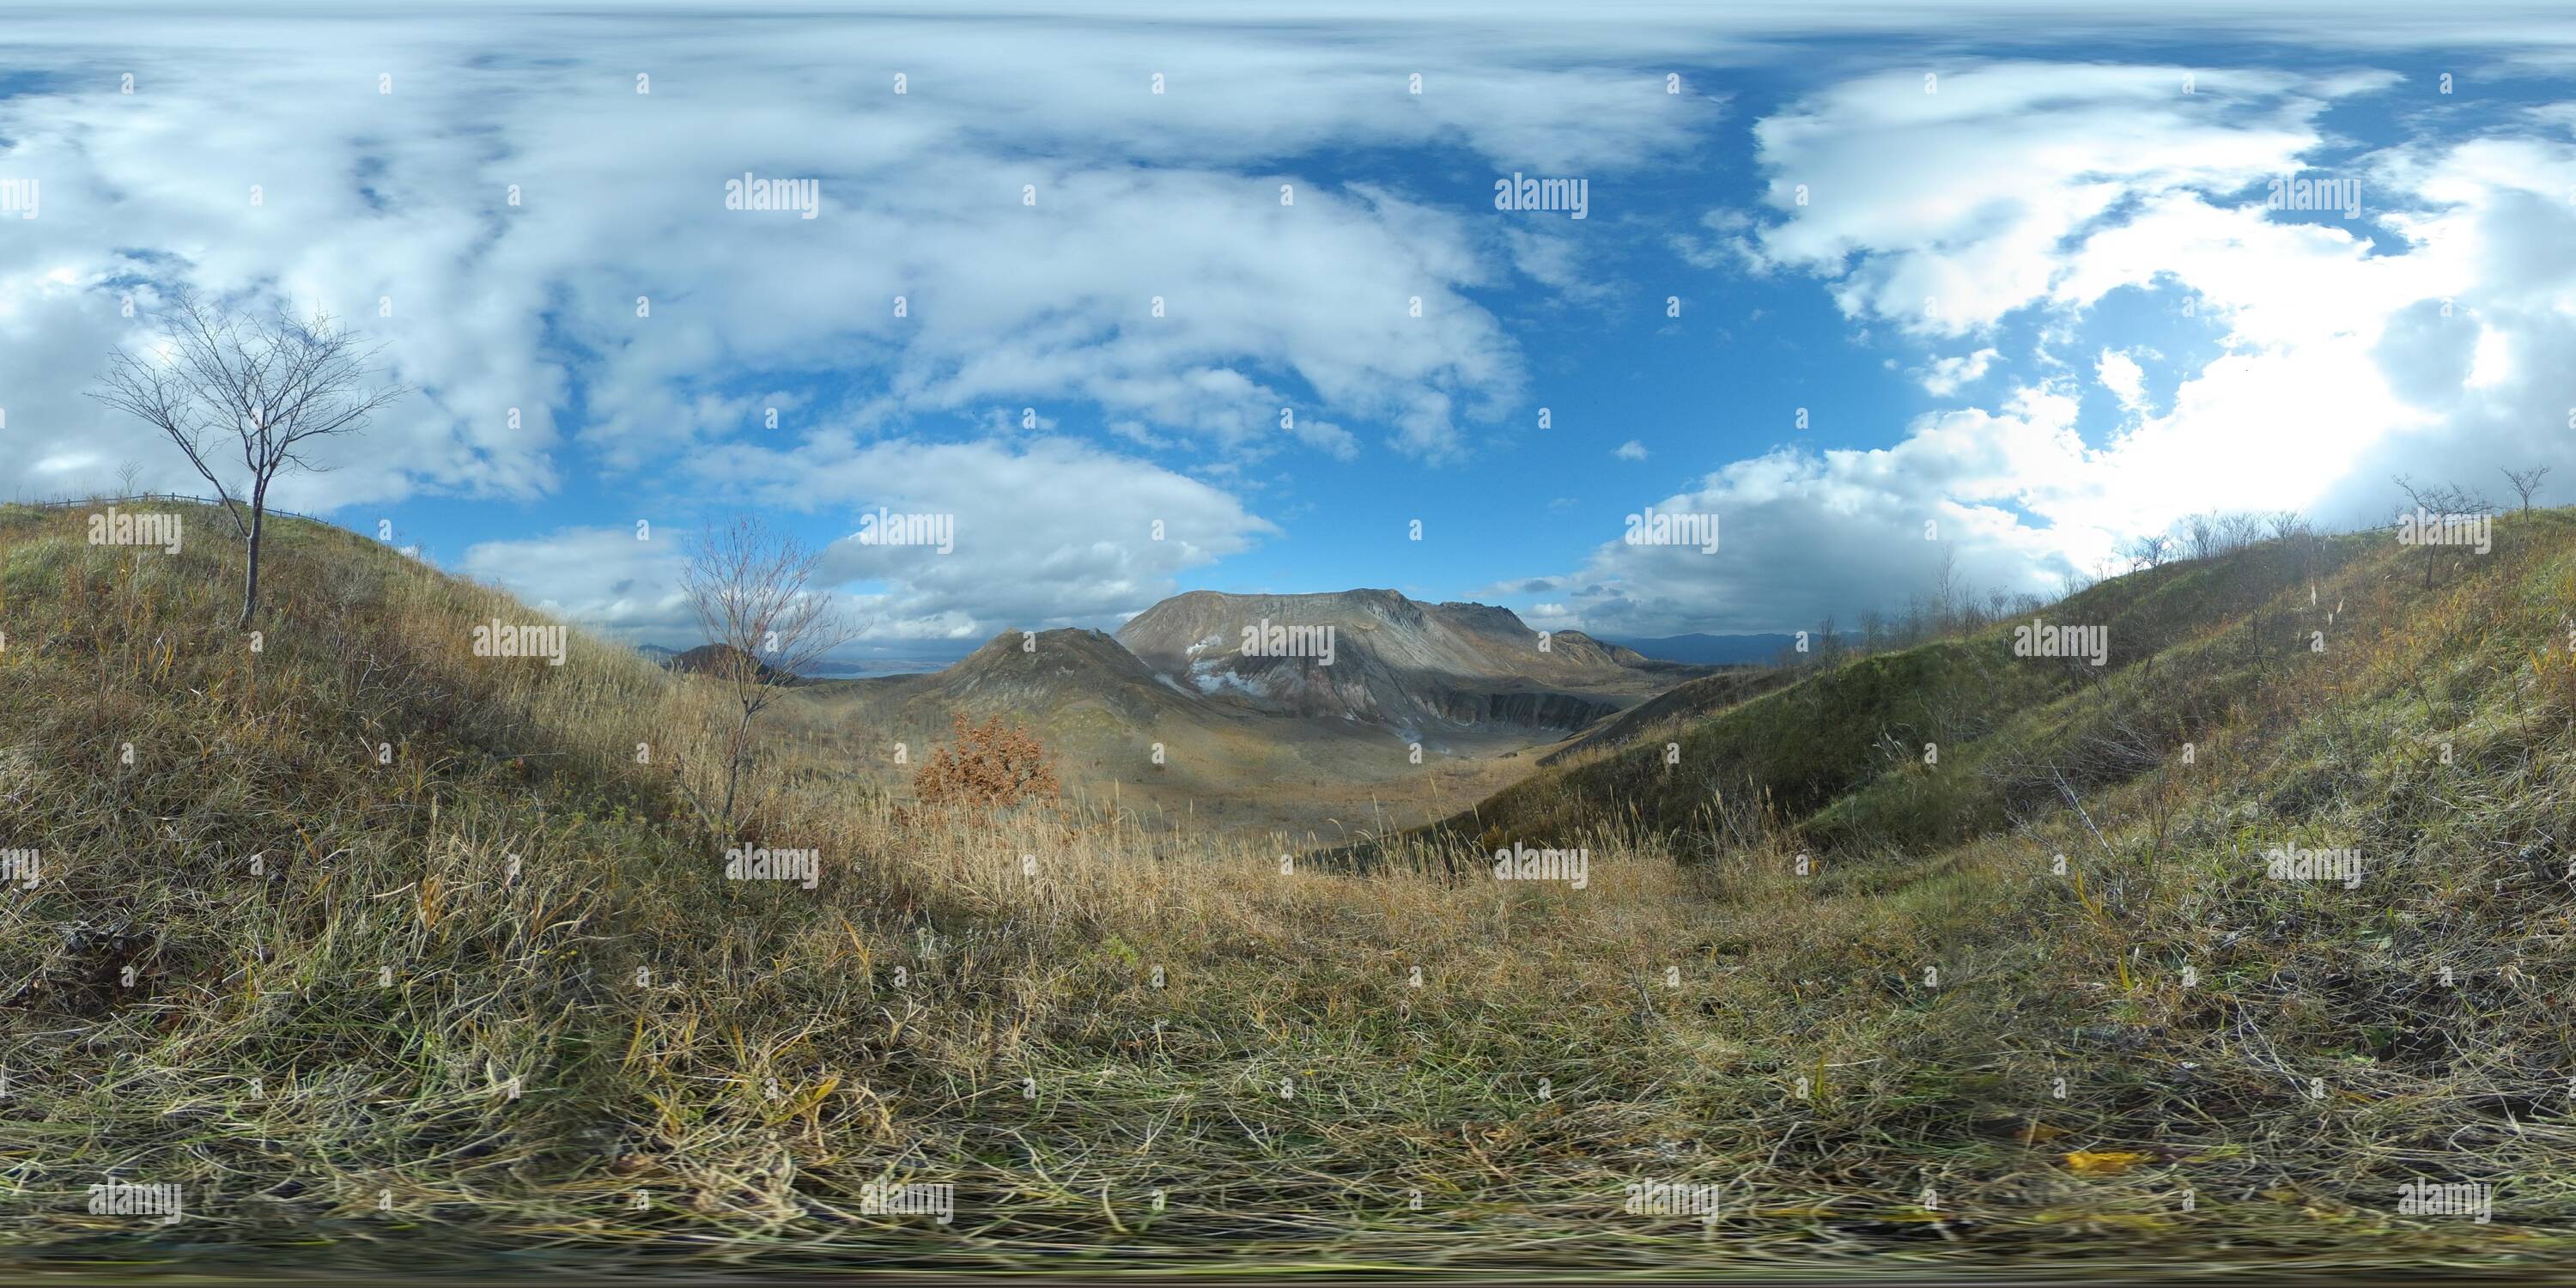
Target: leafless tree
[
  {"x": 1947, "y": 592},
  {"x": 2436, "y": 500},
  {"x": 1873, "y": 630},
  {"x": 2239, "y": 529},
  {"x": 2200, "y": 535},
  {"x": 752, "y": 592},
  {"x": 2147, "y": 550},
  {"x": 269, "y": 385},
  {"x": 2526, "y": 481}
]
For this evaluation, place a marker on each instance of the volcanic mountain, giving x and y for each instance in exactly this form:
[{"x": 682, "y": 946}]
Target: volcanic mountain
[
  {"x": 1419, "y": 709},
  {"x": 1376, "y": 657}
]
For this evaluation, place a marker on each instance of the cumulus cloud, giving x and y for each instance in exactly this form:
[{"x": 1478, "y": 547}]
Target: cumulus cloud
[
  {"x": 531, "y": 233},
  {"x": 2122, "y": 375},
  {"x": 1945, "y": 376},
  {"x": 2342, "y": 351},
  {"x": 1632, "y": 450},
  {"x": 1805, "y": 534},
  {"x": 1051, "y": 532}
]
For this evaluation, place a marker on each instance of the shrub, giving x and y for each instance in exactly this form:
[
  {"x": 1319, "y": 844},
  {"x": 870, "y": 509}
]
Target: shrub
[{"x": 992, "y": 765}]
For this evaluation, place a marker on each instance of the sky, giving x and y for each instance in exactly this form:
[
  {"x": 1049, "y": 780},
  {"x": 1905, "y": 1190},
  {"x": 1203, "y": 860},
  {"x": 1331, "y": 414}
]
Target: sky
[{"x": 1151, "y": 298}]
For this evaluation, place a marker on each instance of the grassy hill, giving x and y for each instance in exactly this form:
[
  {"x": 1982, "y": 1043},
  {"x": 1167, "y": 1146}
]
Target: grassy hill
[
  {"x": 1129, "y": 739},
  {"x": 487, "y": 984},
  {"x": 1842, "y": 754}
]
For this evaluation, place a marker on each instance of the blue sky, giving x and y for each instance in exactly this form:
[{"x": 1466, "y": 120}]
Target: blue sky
[{"x": 2034, "y": 297}]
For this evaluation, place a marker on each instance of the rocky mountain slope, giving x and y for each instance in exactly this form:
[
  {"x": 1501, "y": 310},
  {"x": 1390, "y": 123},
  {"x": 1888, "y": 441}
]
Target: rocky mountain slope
[
  {"x": 1377, "y": 657},
  {"x": 1418, "y": 710}
]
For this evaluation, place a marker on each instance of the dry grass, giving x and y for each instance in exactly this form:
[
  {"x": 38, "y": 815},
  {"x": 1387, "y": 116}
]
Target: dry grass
[{"x": 1137, "y": 1047}]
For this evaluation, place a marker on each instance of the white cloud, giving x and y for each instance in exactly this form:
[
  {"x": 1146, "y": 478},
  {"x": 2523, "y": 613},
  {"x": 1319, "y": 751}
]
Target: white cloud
[
  {"x": 509, "y": 210},
  {"x": 603, "y": 578},
  {"x": 1632, "y": 450},
  {"x": 2037, "y": 191},
  {"x": 2126, "y": 380},
  {"x": 1047, "y": 533},
  {"x": 1945, "y": 376}
]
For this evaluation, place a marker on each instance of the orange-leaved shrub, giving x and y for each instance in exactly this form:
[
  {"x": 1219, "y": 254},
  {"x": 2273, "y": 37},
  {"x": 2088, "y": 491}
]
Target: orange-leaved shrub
[{"x": 992, "y": 765}]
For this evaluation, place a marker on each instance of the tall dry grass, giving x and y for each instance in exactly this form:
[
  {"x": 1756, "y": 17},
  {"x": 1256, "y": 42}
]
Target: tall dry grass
[{"x": 1135, "y": 1046}]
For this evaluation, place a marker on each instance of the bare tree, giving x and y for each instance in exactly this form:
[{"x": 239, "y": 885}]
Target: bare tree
[
  {"x": 2527, "y": 481},
  {"x": 269, "y": 385},
  {"x": 753, "y": 595},
  {"x": 1947, "y": 592},
  {"x": 2147, "y": 551},
  {"x": 2238, "y": 529},
  {"x": 2200, "y": 535},
  {"x": 2434, "y": 501}
]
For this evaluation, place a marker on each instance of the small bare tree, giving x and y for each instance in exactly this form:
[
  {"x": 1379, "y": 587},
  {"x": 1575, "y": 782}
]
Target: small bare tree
[
  {"x": 752, "y": 592},
  {"x": 2435, "y": 501},
  {"x": 2146, "y": 551},
  {"x": 269, "y": 385},
  {"x": 2525, "y": 482},
  {"x": 2200, "y": 535},
  {"x": 2238, "y": 529},
  {"x": 1873, "y": 630},
  {"x": 1948, "y": 590}
]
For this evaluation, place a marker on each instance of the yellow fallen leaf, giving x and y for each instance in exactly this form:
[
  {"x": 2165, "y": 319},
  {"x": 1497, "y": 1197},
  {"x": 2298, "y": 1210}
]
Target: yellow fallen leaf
[
  {"x": 2108, "y": 1163},
  {"x": 2038, "y": 1133}
]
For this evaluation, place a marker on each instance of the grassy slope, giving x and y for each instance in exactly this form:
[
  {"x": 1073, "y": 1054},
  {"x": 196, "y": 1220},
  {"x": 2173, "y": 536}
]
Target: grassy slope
[
  {"x": 1838, "y": 753},
  {"x": 933, "y": 1013}
]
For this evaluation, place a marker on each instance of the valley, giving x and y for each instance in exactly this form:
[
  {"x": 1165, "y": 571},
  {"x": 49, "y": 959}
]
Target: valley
[{"x": 1420, "y": 710}]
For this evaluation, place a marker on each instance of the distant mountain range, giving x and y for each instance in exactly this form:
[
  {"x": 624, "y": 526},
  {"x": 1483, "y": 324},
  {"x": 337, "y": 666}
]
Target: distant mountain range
[
  {"x": 1341, "y": 704},
  {"x": 1150, "y": 625},
  {"x": 1393, "y": 661},
  {"x": 1712, "y": 650},
  {"x": 827, "y": 669}
]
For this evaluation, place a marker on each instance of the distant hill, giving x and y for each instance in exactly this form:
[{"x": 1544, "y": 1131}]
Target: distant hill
[
  {"x": 1712, "y": 650},
  {"x": 1393, "y": 661},
  {"x": 1173, "y": 711},
  {"x": 712, "y": 659},
  {"x": 1838, "y": 751}
]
